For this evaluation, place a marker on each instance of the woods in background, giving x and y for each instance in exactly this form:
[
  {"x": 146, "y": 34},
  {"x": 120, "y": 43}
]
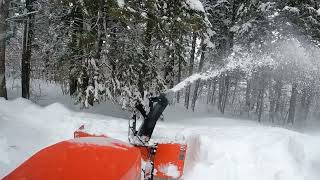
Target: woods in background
[{"x": 127, "y": 50}]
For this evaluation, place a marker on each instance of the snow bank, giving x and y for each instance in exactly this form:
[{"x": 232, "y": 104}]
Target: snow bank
[
  {"x": 25, "y": 128},
  {"x": 256, "y": 153},
  {"x": 46, "y": 93}
]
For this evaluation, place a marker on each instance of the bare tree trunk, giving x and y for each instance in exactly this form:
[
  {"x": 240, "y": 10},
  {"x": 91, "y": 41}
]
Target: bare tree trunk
[
  {"x": 262, "y": 84},
  {"x": 212, "y": 101},
  {"x": 4, "y": 12},
  {"x": 248, "y": 92},
  {"x": 224, "y": 85},
  {"x": 179, "y": 73},
  {"x": 226, "y": 93},
  {"x": 191, "y": 63},
  {"x": 261, "y": 103},
  {"x": 147, "y": 43},
  {"x": 77, "y": 17},
  {"x": 26, "y": 51},
  {"x": 307, "y": 105},
  {"x": 221, "y": 91},
  {"x": 257, "y": 101},
  {"x": 235, "y": 90},
  {"x": 197, "y": 84},
  {"x": 209, "y": 91},
  {"x": 278, "y": 94},
  {"x": 292, "y": 106},
  {"x": 99, "y": 42},
  {"x": 169, "y": 66},
  {"x": 261, "y": 98},
  {"x": 306, "y": 100},
  {"x": 93, "y": 74},
  {"x": 272, "y": 103}
]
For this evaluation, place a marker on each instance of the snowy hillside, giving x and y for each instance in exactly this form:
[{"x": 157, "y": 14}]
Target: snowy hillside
[{"x": 229, "y": 149}]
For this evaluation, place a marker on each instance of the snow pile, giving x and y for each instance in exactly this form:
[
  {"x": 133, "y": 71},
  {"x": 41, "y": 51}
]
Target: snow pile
[
  {"x": 218, "y": 148},
  {"x": 257, "y": 153},
  {"x": 196, "y": 5},
  {"x": 101, "y": 141},
  {"x": 170, "y": 170}
]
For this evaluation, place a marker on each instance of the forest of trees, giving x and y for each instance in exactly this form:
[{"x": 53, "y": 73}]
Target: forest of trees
[{"x": 127, "y": 50}]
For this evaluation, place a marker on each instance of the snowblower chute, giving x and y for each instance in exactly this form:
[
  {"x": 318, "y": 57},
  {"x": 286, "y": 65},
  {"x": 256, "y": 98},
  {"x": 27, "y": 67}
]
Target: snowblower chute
[
  {"x": 92, "y": 156},
  {"x": 152, "y": 117}
]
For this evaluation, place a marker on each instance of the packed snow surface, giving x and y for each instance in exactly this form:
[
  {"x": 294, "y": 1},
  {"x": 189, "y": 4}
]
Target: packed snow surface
[
  {"x": 101, "y": 141},
  {"x": 227, "y": 149}
]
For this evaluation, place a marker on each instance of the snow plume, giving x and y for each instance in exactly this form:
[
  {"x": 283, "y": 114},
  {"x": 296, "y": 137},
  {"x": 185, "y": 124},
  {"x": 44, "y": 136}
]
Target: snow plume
[
  {"x": 296, "y": 59},
  {"x": 187, "y": 81},
  {"x": 243, "y": 61}
]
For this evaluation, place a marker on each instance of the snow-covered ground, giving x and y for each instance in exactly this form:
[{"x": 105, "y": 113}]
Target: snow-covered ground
[{"x": 229, "y": 149}]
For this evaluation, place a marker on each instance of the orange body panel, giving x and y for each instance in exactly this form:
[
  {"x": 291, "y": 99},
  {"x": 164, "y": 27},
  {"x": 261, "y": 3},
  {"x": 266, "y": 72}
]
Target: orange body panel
[
  {"x": 93, "y": 158},
  {"x": 170, "y": 156}
]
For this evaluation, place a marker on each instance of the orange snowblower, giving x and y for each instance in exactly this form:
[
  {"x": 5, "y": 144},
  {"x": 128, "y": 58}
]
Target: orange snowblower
[{"x": 99, "y": 157}]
